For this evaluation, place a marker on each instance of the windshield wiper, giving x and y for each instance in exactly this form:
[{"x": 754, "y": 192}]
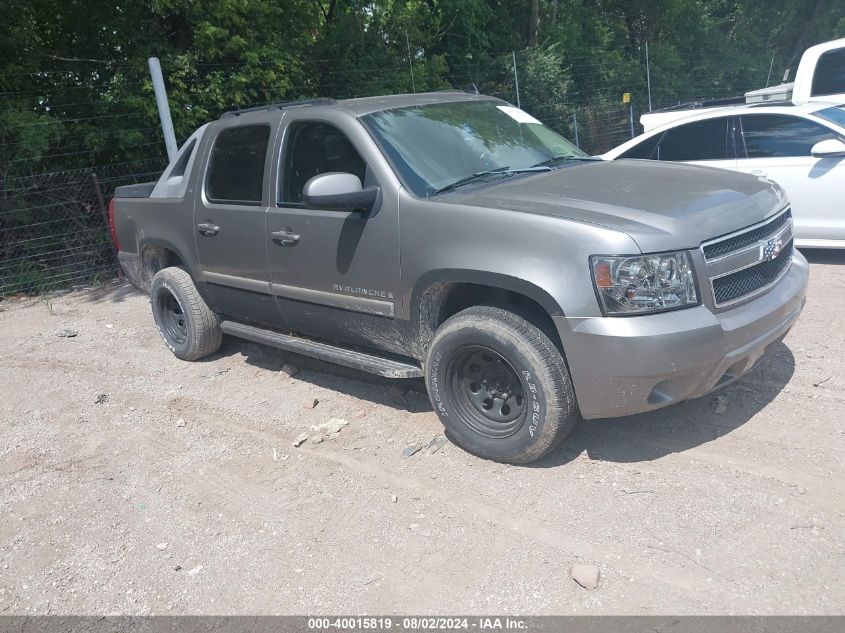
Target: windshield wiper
[
  {"x": 561, "y": 157},
  {"x": 506, "y": 171}
]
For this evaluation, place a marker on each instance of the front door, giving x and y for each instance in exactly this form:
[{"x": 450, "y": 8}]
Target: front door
[
  {"x": 335, "y": 274},
  {"x": 230, "y": 221},
  {"x": 778, "y": 147}
]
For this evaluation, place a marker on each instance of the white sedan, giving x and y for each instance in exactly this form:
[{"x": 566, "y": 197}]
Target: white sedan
[{"x": 801, "y": 147}]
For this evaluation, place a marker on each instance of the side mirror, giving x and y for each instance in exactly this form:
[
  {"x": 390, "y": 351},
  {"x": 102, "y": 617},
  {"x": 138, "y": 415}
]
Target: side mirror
[
  {"x": 338, "y": 191},
  {"x": 831, "y": 148}
]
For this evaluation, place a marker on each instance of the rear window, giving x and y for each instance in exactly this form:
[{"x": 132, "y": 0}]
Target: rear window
[
  {"x": 701, "y": 140},
  {"x": 829, "y": 76},
  {"x": 236, "y": 166}
]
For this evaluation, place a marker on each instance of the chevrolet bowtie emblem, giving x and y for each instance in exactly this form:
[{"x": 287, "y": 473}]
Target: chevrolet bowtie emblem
[{"x": 771, "y": 249}]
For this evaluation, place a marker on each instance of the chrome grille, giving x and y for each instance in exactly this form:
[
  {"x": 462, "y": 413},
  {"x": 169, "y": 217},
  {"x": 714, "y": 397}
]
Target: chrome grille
[
  {"x": 717, "y": 249},
  {"x": 745, "y": 263},
  {"x": 746, "y": 281}
]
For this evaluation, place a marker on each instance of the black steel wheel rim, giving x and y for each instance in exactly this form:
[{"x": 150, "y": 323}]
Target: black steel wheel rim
[
  {"x": 172, "y": 318},
  {"x": 489, "y": 393}
]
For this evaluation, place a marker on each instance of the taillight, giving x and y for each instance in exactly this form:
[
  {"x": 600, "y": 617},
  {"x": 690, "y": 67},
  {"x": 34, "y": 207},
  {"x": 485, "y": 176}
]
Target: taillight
[{"x": 112, "y": 229}]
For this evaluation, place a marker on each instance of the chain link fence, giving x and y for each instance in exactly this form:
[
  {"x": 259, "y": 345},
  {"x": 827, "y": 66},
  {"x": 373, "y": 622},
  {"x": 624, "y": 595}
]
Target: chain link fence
[{"x": 54, "y": 229}]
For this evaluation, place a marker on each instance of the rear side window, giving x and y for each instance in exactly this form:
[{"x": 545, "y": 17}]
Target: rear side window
[
  {"x": 701, "y": 140},
  {"x": 829, "y": 76},
  {"x": 773, "y": 135},
  {"x": 644, "y": 149},
  {"x": 236, "y": 166}
]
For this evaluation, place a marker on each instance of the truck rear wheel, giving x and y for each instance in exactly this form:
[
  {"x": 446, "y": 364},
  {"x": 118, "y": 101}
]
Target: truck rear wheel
[
  {"x": 189, "y": 328},
  {"x": 500, "y": 387}
]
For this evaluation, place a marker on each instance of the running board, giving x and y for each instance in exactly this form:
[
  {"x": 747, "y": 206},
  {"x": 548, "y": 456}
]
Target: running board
[{"x": 331, "y": 353}]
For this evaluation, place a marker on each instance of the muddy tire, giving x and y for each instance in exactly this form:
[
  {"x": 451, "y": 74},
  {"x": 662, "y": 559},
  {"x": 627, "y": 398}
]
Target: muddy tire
[
  {"x": 186, "y": 324},
  {"x": 500, "y": 387}
]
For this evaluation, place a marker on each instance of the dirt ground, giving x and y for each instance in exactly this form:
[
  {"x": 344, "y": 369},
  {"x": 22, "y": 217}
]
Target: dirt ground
[{"x": 179, "y": 490}]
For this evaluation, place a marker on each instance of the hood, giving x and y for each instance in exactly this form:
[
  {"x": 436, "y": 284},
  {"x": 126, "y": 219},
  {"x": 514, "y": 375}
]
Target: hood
[{"x": 662, "y": 206}]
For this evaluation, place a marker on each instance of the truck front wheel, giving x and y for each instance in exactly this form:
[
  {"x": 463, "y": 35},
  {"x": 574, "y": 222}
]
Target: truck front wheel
[
  {"x": 189, "y": 328},
  {"x": 499, "y": 386}
]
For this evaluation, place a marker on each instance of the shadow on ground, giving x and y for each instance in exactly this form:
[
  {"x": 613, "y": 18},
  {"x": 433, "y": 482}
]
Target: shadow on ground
[
  {"x": 683, "y": 426},
  {"x": 642, "y": 437},
  {"x": 824, "y": 256}
]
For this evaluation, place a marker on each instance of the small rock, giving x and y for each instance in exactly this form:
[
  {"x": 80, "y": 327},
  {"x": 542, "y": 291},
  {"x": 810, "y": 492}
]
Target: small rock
[
  {"x": 101, "y": 398},
  {"x": 180, "y": 422},
  {"x": 67, "y": 333},
  {"x": 334, "y": 425},
  {"x": 300, "y": 440},
  {"x": 316, "y": 439},
  {"x": 437, "y": 443},
  {"x": 275, "y": 455},
  {"x": 109, "y": 325},
  {"x": 290, "y": 370},
  {"x": 413, "y": 449},
  {"x": 310, "y": 404},
  {"x": 720, "y": 405},
  {"x": 394, "y": 499},
  {"x": 195, "y": 570},
  {"x": 161, "y": 547},
  {"x": 586, "y": 575},
  {"x": 284, "y": 457},
  {"x": 177, "y": 568}
]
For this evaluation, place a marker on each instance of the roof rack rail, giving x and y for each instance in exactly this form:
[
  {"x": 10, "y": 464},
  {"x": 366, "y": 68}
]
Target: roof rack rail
[
  {"x": 763, "y": 104},
  {"x": 710, "y": 103},
  {"x": 279, "y": 106}
]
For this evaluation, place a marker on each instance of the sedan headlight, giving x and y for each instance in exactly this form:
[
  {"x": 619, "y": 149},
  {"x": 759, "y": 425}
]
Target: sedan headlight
[{"x": 641, "y": 284}]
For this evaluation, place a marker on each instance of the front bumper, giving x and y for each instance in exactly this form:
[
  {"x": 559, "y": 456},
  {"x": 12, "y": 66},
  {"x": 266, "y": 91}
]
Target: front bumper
[{"x": 626, "y": 365}]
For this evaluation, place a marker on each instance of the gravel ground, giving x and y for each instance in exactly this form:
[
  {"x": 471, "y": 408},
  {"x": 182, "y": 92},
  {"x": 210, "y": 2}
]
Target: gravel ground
[{"x": 134, "y": 483}]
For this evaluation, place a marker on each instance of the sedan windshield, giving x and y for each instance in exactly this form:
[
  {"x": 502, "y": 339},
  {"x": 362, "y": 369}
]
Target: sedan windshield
[
  {"x": 834, "y": 115},
  {"x": 439, "y": 146}
]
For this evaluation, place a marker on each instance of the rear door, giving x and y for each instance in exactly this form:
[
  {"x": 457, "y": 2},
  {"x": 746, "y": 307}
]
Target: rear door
[
  {"x": 778, "y": 147},
  {"x": 230, "y": 220}
]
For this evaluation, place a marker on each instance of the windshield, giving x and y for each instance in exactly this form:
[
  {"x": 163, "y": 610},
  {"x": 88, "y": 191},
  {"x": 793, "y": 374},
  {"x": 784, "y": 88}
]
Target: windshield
[
  {"x": 834, "y": 115},
  {"x": 437, "y": 145}
]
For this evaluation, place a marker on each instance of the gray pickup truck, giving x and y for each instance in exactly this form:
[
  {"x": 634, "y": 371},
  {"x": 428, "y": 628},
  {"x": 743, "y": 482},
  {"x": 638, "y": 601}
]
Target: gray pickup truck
[{"x": 454, "y": 237}]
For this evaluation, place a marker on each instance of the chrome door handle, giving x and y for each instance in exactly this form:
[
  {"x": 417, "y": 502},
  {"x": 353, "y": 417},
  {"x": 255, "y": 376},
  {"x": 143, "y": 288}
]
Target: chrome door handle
[
  {"x": 208, "y": 229},
  {"x": 285, "y": 237}
]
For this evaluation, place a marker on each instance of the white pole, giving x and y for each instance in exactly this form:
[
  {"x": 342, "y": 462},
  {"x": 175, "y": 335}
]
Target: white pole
[
  {"x": 516, "y": 80},
  {"x": 771, "y": 63},
  {"x": 163, "y": 108},
  {"x": 648, "y": 76},
  {"x": 410, "y": 62}
]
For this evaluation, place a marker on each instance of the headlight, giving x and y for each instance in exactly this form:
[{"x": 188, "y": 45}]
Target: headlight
[{"x": 642, "y": 284}]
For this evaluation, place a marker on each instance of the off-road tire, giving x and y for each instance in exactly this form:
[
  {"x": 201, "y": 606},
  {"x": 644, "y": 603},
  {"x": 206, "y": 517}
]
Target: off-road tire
[
  {"x": 197, "y": 333},
  {"x": 458, "y": 360}
]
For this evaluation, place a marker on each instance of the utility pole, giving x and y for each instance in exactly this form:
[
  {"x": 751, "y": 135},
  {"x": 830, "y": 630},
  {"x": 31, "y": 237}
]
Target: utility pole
[
  {"x": 410, "y": 62},
  {"x": 516, "y": 80},
  {"x": 163, "y": 108},
  {"x": 631, "y": 111},
  {"x": 648, "y": 76},
  {"x": 575, "y": 127}
]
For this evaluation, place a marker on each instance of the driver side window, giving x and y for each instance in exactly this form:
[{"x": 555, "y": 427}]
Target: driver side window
[{"x": 313, "y": 148}]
